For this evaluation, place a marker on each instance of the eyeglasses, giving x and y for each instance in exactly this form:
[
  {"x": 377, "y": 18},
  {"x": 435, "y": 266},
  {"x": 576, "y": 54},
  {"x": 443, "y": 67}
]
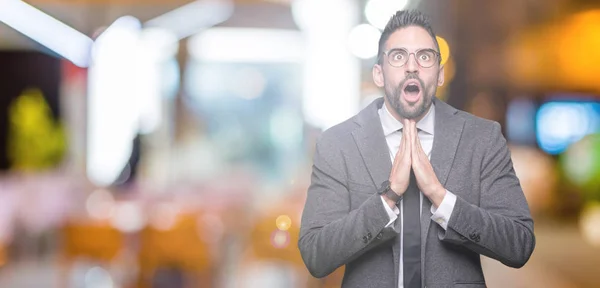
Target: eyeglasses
[{"x": 425, "y": 57}]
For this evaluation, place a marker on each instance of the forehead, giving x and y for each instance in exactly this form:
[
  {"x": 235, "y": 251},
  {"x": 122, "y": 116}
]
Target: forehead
[{"x": 411, "y": 38}]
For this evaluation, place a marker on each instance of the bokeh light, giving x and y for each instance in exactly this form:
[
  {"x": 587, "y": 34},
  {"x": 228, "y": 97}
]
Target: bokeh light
[
  {"x": 379, "y": 12},
  {"x": 164, "y": 216},
  {"x": 590, "y": 224},
  {"x": 581, "y": 165},
  {"x": 578, "y": 33},
  {"x": 211, "y": 227},
  {"x": 537, "y": 176},
  {"x": 520, "y": 121},
  {"x": 280, "y": 239},
  {"x": 561, "y": 123},
  {"x": 98, "y": 277},
  {"x": 444, "y": 49},
  {"x": 283, "y": 222},
  {"x": 100, "y": 204},
  {"x": 363, "y": 40},
  {"x": 128, "y": 217}
]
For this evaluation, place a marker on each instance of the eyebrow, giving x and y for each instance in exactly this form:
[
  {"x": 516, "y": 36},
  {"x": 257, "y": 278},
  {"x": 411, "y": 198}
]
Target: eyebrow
[{"x": 402, "y": 48}]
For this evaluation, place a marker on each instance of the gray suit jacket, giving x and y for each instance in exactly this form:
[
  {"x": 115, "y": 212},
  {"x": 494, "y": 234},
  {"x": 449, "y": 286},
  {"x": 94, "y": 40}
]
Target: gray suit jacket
[{"x": 343, "y": 219}]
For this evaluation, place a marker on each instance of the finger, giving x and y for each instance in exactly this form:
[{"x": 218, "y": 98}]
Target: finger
[
  {"x": 407, "y": 134},
  {"x": 400, "y": 153},
  {"x": 411, "y": 150},
  {"x": 406, "y": 140},
  {"x": 417, "y": 142},
  {"x": 403, "y": 139},
  {"x": 420, "y": 148},
  {"x": 413, "y": 131},
  {"x": 395, "y": 163}
]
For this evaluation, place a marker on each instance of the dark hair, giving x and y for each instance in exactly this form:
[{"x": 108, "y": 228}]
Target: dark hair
[{"x": 402, "y": 19}]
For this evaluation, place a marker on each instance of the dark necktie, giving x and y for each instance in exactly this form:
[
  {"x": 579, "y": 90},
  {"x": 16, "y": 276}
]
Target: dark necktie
[{"x": 412, "y": 234}]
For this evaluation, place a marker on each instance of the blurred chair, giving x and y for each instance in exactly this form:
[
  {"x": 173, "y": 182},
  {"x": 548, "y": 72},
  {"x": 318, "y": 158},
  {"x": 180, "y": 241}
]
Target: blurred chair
[
  {"x": 274, "y": 238},
  {"x": 3, "y": 256},
  {"x": 177, "y": 253},
  {"x": 91, "y": 240}
]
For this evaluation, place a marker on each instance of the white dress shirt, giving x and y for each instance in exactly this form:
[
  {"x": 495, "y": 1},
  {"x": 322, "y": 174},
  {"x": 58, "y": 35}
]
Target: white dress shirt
[{"x": 426, "y": 133}]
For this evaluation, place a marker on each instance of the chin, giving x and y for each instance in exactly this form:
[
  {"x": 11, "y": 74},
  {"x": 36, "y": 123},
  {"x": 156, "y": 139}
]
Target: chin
[
  {"x": 412, "y": 111},
  {"x": 409, "y": 115}
]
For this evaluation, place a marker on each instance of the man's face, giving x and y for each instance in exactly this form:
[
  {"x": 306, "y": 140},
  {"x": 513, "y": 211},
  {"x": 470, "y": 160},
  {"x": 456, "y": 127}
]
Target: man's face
[{"x": 409, "y": 89}]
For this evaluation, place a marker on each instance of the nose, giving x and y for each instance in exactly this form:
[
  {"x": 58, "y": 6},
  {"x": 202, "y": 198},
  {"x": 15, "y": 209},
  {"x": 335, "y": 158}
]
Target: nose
[{"x": 411, "y": 64}]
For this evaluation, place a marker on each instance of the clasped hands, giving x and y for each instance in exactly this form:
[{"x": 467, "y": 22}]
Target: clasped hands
[{"x": 411, "y": 155}]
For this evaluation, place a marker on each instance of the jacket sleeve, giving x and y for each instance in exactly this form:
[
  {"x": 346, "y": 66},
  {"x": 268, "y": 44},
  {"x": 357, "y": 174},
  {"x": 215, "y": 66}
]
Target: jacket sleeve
[
  {"x": 330, "y": 234},
  {"x": 501, "y": 227}
]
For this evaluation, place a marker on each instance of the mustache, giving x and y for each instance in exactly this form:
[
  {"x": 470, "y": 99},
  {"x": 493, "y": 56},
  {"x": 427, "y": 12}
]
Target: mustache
[{"x": 411, "y": 76}]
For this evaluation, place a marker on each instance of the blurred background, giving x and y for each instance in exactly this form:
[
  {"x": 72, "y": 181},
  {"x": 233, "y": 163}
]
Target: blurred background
[{"x": 168, "y": 143}]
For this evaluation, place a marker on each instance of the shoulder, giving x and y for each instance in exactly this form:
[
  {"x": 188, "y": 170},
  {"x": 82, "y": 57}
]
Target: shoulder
[
  {"x": 335, "y": 137},
  {"x": 484, "y": 134},
  {"x": 473, "y": 125},
  {"x": 478, "y": 125}
]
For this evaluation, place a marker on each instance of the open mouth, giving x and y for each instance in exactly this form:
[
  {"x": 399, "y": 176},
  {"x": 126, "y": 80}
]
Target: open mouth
[{"x": 412, "y": 91}]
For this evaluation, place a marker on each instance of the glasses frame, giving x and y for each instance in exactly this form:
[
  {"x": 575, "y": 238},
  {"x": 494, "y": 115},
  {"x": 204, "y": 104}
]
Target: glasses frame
[{"x": 436, "y": 53}]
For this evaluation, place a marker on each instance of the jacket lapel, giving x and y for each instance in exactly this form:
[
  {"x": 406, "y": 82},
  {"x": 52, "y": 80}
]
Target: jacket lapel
[
  {"x": 447, "y": 133},
  {"x": 374, "y": 151},
  {"x": 371, "y": 143}
]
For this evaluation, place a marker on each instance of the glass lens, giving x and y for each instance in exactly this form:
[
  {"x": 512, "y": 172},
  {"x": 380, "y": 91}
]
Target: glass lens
[
  {"x": 397, "y": 57},
  {"x": 426, "y": 58}
]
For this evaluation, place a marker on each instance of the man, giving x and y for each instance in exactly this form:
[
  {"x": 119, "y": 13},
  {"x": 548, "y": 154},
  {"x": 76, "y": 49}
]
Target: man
[{"x": 380, "y": 178}]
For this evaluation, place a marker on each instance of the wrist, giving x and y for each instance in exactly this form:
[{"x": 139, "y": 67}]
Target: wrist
[
  {"x": 395, "y": 188},
  {"x": 388, "y": 193},
  {"x": 389, "y": 201},
  {"x": 438, "y": 196}
]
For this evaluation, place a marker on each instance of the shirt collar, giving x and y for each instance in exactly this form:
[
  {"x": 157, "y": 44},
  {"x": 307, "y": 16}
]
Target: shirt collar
[{"x": 391, "y": 124}]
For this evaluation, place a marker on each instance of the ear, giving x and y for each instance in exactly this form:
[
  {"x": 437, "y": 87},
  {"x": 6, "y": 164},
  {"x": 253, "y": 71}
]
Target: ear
[
  {"x": 378, "y": 75},
  {"x": 441, "y": 76}
]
